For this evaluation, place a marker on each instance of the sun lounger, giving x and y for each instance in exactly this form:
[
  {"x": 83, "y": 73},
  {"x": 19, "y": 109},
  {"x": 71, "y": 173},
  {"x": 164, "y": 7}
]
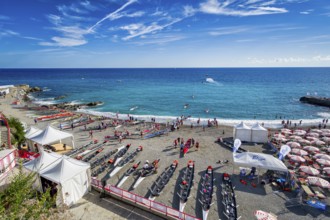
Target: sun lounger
[{"x": 307, "y": 190}]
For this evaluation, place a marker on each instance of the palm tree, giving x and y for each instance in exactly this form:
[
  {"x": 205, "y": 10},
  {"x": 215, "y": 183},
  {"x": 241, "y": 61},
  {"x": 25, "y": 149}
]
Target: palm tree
[{"x": 17, "y": 131}]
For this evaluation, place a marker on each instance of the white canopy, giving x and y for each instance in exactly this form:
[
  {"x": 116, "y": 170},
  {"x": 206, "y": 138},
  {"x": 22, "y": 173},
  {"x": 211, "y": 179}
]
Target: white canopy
[
  {"x": 242, "y": 132},
  {"x": 32, "y": 132},
  {"x": 259, "y": 134},
  {"x": 72, "y": 176},
  {"x": 259, "y": 160},
  {"x": 51, "y": 135}
]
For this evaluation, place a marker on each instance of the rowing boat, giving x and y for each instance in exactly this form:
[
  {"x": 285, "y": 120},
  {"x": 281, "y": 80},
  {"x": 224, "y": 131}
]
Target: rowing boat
[
  {"x": 207, "y": 191},
  {"x": 125, "y": 161},
  {"x": 127, "y": 174},
  {"x": 155, "y": 134},
  {"x": 162, "y": 180},
  {"x": 186, "y": 184},
  {"x": 55, "y": 116},
  {"x": 146, "y": 172},
  {"x": 229, "y": 198},
  {"x": 119, "y": 156}
]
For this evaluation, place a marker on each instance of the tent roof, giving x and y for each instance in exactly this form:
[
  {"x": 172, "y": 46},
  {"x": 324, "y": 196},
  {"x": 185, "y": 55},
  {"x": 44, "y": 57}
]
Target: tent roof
[
  {"x": 55, "y": 167},
  {"x": 42, "y": 162},
  {"x": 242, "y": 125},
  {"x": 64, "y": 169},
  {"x": 50, "y": 135},
  {"x": 258, "y": 127},
  {"x": 259, "y": 160},
  {"x": 33, "y": 131}
]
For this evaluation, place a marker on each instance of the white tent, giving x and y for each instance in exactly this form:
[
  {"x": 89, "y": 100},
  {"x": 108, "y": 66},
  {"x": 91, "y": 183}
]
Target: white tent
[
  {"x": 242, "y": 132},
  {"x": 51, "y": 135},
  {"x": 259, "y": 134},
  {"x": 259, "y": 160},
  {"x": 32, "y": 132},
  {"x": 72, "y": 176}
]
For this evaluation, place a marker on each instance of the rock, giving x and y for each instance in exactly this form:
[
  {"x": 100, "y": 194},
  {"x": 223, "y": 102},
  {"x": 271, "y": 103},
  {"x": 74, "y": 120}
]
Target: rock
[
  {"x": 34, "y": 89},
  {"x": 94, "y": 103},
  {"x": 60, "y": 97},
  {"x": 314, "y": 100}
]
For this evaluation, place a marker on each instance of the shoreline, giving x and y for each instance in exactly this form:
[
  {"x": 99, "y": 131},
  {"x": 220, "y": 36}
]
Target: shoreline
[{"x": 271, "y": 124}]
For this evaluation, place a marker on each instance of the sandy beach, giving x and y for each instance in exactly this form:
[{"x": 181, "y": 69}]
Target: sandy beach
[{"x": 249, "y": 199}]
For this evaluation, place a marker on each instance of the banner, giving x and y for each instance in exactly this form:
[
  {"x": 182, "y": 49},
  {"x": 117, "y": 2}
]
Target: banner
[
  {"x": 237, "y": 144},
  {"x": 285, "y": 149}
]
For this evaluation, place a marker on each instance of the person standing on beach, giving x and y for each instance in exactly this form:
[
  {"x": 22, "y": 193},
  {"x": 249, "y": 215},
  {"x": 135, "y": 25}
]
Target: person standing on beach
[
  {"x": 91, "y": 134},
  {"x": 197, "y": 145},
  {"x": 35, "y": 121}
]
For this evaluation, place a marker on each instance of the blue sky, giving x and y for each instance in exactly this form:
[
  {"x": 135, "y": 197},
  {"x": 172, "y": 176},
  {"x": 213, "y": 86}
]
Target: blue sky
[{"x": 164, "y": 33}]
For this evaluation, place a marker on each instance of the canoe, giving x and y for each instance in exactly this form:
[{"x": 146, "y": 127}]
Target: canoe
[
  {"x": 128, "y": 173},
  {"x": 207, "y": 187},
  {"x": 125, "y": 161},
  {"x": 229, "y": 198},
  {"x": 145, "y": 173},
  {"x": 186, "y": 184},
  {"x": 162, "y": 180}
]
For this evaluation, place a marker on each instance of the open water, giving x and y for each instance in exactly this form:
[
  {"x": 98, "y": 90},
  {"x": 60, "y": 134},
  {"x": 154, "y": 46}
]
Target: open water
[{"x": 222, "y": 93}]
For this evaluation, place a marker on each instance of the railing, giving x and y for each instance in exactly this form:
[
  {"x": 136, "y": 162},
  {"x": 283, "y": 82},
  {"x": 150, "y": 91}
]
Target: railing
[{"x": 143, "y": 202}]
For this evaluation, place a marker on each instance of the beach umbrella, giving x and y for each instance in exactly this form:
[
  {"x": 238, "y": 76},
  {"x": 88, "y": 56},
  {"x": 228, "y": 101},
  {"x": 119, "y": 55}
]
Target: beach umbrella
[
  {"x": 322, "y": 156},
  {"x": 295, "y": 137},
  {"x": 328, "y": 149},
  {"x": 299, "y": 132},
  {"x": 285, "y": 131},
  {"x": 313, "y": 134},
  {"x": 316, "y": 131},
  {"x": 323, "y": 162},
  {"x": 327, "y": 170},
  {"x": 262, "y": 215},
  {"x": 296, "y": 158},
  {"x": 318, "y": 142},
  {"x": 304, "y": 141},
  {"x": 325, "y": 130},
  {"x": 309, "y": 170},
  {"x": 299, "y": 152},
  {"x": 326, "y": 134},
  {"x": 294, "y": 144},
  {"x": 282, "y": 139},
  {"x": 326, "y": 139},
  {"x": 311, "y": 149},
  {"x": 310, "y": 138},
  {"x": 317, "y": 181}
]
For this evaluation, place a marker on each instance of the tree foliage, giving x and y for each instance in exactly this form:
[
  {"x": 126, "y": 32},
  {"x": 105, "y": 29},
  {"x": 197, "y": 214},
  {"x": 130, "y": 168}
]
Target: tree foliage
[
  {"x": 19, "y": 200},
  {"x": 17, "y": 131}
]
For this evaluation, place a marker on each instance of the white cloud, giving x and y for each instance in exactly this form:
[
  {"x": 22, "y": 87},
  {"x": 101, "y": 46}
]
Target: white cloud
[
  {"x": 228, "y": 30},
  {"x": 113, "y": 15},
  {"x": 290, "y": 60},
  {"x": 188, "y": 11},
  {"x": 8, "y": 33},
  {"x": 4, "y": 18},
  {"x": 246, "y": 8},
  {"x": 54, "y": 19},
  {"x": 160, "y": 40},
  {"x": 64, "y": 42},
  {"x": 307, "y": 12},
  {"x": 72, "y": 31},
  {"x": 139, "y": 29}
]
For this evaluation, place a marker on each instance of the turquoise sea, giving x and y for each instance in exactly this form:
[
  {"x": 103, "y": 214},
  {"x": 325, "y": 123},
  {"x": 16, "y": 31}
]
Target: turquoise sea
[{"x": 223, "y": 93}]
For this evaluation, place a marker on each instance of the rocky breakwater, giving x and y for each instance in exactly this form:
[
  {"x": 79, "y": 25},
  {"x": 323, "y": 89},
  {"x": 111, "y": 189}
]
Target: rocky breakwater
[
  {"x": 314, "y": 100},
  {"x": 74, "y": 107}
]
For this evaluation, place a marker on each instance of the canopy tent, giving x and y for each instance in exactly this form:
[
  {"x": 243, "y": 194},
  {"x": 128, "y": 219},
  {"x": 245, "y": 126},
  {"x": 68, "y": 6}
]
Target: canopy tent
[
  {"x": 259, "y": 160},
  {"x": 242, "y": 132},
  {"x": 32, "y": 132},
  {"x": 72, "y": 176},
  {"x": 51, "y": 135},
  {"x": 259, "y": 134}
]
